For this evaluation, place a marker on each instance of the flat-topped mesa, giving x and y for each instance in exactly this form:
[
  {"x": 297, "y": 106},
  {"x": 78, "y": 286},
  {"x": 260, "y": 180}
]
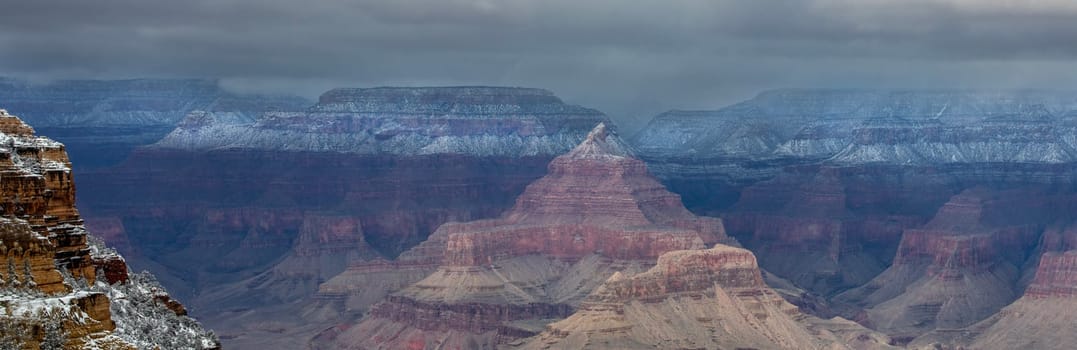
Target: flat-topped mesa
[
  {"x": 696, "y": 299},
  {"x": 479, "y": 121},
  {"x": 38, "y": 188},
  {"x": 686, "y": 271},
  {"x": 712, "y": 133},
  {"x": 990, "y": 140}
]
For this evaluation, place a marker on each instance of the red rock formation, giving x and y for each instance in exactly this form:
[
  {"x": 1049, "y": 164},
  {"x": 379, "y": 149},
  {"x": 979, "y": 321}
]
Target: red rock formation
[
  {"x": 37, "y": 187},
  {"x": 597, "y": 212},
  {"x": 960, "y": 268},
  {"x": 41, "y": 233},
  {"x": 1043, "y": 318},
  {"x": 1055, "y": 277},
  {"x": 1056, "y": 271},
  {"x": 28, "y": 257},
  {"x": 698, "y": 299},
  {"x": 113, "y": 266}
]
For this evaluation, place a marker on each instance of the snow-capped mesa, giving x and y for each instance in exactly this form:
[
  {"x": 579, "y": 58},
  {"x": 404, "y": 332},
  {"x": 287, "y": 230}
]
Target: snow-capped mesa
[
  {"x": 477, "y": 121},
  {"x": 103, "y": 121},
  {"x": 134, "y": 103},
  {"x": 872, "y": 126}
]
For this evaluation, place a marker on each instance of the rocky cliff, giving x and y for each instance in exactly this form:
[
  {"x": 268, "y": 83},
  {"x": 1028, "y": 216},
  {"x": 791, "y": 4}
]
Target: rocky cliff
[
  {"x": 598, "y": 211},
  {"x": 697, "y": 299},
  {"x": 60, "y": 290}
]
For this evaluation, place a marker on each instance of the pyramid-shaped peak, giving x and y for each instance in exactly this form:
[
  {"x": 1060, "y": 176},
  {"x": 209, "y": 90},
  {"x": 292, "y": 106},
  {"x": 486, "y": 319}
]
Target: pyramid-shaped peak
[{"x": 601, "y": 142}]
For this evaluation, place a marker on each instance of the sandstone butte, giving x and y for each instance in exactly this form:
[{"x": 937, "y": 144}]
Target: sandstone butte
[
  {"x": 43, "y": 241},
  {"x": 480, "y": 283},
  {"x": 697, "y": 299}
]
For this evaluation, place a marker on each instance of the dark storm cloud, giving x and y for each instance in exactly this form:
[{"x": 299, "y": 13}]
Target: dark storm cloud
[{"x": 629, "y": 58}]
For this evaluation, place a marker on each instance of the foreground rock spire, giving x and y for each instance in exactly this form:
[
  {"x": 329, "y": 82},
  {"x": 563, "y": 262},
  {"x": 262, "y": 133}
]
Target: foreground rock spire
[
  {"x": 598, "y": 211},
  {"x": 51, "y": 293}
]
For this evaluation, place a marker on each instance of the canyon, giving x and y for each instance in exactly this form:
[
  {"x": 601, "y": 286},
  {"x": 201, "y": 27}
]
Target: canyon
[
  {"x": 916, "y": 213},
  {"x": 385, "y": 166},
  {"x": 466, "y": 217},
  {"x": 597, "y": 212}
]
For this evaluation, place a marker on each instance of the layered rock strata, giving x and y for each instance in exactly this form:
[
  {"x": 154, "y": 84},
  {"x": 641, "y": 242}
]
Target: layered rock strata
[
  {"x": 598, "y": 211},
  {"x": 960, "y": 268},
  {"x": 57, "y": 289},
  {"x": 398, "y": 162},
  {"x": 1041, "y": 319},
  {"x": 697, "y": 299}
]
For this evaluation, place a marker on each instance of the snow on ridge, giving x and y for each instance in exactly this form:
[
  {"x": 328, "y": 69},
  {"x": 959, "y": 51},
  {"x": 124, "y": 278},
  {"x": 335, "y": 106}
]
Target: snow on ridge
[
  {"x": 601, "y": 143},
  {"x": 473, "y": 127},
  {"x": 856, "y": 126}
]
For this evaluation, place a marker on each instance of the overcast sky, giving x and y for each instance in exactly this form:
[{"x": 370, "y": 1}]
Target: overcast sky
[{"x": 628, "y": 58}]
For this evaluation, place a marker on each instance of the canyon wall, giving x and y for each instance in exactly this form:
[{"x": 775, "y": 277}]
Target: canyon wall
[{"x": 62, "y": 289}]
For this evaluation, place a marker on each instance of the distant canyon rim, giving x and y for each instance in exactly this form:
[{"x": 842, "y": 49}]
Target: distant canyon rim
[{"x": 482, "y": 217}]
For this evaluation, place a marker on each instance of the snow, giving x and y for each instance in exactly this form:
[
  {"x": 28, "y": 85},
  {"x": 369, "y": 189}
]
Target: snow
[
  {"x": 601, "y": 143},
  {"x": 871, "y": 126},
  {"x": 473, "y": 128}
]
